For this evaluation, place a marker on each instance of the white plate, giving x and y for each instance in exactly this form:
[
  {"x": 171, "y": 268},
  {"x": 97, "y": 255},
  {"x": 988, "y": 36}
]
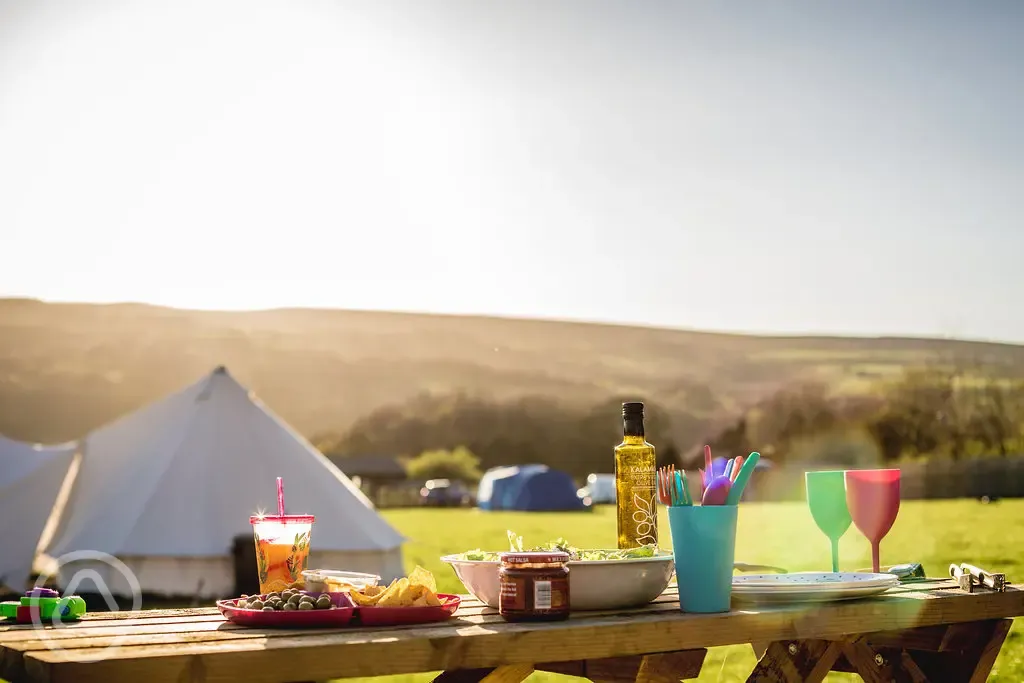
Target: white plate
[
  {"x": 808, "y": 581},
  {"x": 809, "y": 587}
]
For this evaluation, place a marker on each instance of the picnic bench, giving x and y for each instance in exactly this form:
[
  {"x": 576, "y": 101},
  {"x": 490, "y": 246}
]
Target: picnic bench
[{"x": 925, "y": 632}]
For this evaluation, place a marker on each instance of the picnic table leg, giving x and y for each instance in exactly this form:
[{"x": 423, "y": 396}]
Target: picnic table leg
[
  {"x": 947, "y": 654},
  {"x": 663, "y": 667},
  {"x": 511, "y": 673},
  {"x": 796, "y": 661},
  {"x": 959, "y": 652},
  {"x": 671, "y": 667}
]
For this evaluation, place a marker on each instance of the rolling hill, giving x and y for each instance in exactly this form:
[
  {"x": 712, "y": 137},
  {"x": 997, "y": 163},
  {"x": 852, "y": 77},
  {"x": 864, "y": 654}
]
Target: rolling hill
[{"x": 67, "y": 368}]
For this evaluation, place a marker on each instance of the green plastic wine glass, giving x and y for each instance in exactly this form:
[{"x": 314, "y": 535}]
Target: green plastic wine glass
[{"x": 826, "y": 496}]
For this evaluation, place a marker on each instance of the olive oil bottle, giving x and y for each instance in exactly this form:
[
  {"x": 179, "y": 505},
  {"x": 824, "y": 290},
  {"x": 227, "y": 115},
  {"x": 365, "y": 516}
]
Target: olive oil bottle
[{"x": 635, "y": 482}]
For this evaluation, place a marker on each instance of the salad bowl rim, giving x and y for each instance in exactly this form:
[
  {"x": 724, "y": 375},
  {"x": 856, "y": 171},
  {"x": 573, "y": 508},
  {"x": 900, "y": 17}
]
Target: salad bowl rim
[{"x": 662, "y": 556}]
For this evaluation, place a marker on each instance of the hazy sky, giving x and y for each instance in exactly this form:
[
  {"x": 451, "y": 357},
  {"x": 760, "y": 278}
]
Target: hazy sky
[{"x": 804, "y": 166}]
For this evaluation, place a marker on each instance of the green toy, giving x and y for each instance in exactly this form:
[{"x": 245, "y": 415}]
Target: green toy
[{"x": 41, "y": 605}]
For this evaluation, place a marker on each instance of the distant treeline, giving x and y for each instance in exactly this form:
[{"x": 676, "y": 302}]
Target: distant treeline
[
  {"x": 952, "y": 411},
  {"x": 534, "y": 430},
  {"x": 936, "y": 410}
]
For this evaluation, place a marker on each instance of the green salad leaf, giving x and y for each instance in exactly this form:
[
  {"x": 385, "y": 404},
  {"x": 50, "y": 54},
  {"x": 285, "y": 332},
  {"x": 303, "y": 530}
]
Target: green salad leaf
[{"x": 560, "y": 544}]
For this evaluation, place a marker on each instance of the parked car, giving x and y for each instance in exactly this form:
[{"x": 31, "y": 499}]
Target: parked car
[
  {"x": 600, "y": 489},
  {"x": 444, "y": 493}
]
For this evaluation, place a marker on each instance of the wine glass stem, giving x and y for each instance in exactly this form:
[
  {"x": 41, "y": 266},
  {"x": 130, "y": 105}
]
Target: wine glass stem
[
  {"x": 874, "y": 558},
  {"x": 835, "y": 555}
]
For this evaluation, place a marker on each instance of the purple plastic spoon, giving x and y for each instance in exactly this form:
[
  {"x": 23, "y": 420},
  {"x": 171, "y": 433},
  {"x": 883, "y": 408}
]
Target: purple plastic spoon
[{"x": 717, "y": 491}]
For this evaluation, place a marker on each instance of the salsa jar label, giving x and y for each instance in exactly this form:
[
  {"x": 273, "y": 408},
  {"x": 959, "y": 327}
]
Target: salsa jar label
[
  {"x": 526, "y": 597},
  {"x": 550, "y": 594},
  {"x": 513, "y": 594}
]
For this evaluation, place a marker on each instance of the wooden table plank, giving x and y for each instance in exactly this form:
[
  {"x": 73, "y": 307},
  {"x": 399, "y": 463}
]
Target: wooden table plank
[
  {"x": 134, "y": 631},
  {"x": 475, "y": 614},
  {"x": 478, "y": 642},
  {"x": 469, "y": 607}
]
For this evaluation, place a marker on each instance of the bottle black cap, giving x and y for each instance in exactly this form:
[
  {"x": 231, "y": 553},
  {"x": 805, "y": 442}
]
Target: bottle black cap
[{"x": 633, "y": 409}]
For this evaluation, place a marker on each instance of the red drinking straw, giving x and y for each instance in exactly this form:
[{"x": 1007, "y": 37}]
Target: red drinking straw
[{"x": 280, "y": 497}]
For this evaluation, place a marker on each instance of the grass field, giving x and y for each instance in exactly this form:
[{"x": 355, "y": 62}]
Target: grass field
[{"x": 934, "y": 533}]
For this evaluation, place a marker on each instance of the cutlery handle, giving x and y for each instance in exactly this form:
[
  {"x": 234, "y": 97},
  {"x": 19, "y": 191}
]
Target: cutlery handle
[
  {"x": 737, "y": 464},
  {"x": 687, "y": 498},
  {"x": 741, "y": 479}
]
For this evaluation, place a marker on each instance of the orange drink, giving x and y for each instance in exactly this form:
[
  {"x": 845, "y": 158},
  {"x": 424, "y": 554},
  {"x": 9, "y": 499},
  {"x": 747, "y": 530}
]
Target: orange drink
[{"x": 282, "y": 548}]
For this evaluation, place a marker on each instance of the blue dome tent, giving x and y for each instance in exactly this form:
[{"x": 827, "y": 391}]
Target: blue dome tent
[{"x": 528, "y": 488}]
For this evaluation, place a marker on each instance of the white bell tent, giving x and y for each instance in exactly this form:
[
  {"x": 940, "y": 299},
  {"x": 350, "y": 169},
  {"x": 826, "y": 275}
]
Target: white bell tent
[
  {"x": 166, "y": 489},
  {"x": 31, "y": 477}
]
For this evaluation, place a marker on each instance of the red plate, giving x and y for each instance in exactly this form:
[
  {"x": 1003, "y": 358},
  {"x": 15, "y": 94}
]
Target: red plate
[
  {"x": 339, "y": 615},
  {"x": 397, "y": 616}
]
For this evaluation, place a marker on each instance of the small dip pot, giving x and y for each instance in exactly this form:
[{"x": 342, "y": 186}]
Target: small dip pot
[
  {"x": 534, "y": 586},
  {"x": 336, "y": 581}
]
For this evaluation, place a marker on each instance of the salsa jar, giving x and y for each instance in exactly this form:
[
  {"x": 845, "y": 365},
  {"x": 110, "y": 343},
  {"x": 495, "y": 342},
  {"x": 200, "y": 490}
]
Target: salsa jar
[{"x": 534, "y": 586}]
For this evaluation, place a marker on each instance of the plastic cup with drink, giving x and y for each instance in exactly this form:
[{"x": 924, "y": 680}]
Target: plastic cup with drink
[{"x": 282, "y": 546}]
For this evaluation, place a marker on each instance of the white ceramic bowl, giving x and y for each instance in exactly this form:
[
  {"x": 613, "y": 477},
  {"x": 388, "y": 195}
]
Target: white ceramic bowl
[{"x": 593, "y": 585}]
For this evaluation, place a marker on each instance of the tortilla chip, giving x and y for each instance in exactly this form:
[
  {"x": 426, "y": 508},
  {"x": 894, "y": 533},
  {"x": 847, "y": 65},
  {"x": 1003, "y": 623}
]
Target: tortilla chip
[
  {"x": 421, "y": 577},
  {"x": 369, "y": 596},
  {"x": 423, "y": 589},
  {"x": 363, "y": 600},
  {"x": 418, "y": 590},
  {"x": 427, "y": 599},
  {"x": 397, "y": 595}
]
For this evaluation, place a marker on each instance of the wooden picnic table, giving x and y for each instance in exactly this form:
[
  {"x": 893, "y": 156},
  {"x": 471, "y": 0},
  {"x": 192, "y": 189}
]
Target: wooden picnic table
[{"x": 927, "y": 632}]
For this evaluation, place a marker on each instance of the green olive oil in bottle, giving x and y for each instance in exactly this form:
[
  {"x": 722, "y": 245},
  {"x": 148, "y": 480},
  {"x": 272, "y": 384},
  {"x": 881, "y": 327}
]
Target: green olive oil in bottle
[{"x": 635, "y": 482}]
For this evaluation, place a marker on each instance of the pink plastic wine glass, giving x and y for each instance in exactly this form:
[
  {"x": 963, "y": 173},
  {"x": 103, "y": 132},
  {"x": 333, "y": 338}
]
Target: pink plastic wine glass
[{"x": 873, "y": 497}]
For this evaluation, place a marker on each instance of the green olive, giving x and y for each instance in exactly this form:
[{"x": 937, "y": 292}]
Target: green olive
[
  {"x": 289, "y": 607},
  {"x": 273, "y": 595},
  {"x": 294, "y": 600},
  {"x": 268, "y": 608},
  {"x": 306, "y": 605},
  {"x": 323, "y": 602},
  {"x": 255, "y": 604}
]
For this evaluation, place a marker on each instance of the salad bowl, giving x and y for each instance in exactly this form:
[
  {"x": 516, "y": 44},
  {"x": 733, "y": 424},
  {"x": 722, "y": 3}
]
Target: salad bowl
[{"x": 598, "y": 580}]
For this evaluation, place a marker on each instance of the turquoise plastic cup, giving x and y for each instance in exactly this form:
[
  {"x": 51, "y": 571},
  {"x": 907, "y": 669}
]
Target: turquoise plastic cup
[{"x": 704, "y": 546}]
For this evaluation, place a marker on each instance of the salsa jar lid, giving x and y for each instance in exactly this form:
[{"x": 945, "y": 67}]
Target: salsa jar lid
[{"x": 535, "y": 557}]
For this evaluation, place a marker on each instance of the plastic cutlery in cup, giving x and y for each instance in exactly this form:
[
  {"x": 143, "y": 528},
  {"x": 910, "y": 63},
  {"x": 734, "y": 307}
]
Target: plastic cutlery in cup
[
  {"x": 717, "y": 492},
  {"x": 736, "y": 465},
  {"x": 665, "y": 491},
  {"x": 736, "y": 492},
  {"x": 683, "y": 490}
]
